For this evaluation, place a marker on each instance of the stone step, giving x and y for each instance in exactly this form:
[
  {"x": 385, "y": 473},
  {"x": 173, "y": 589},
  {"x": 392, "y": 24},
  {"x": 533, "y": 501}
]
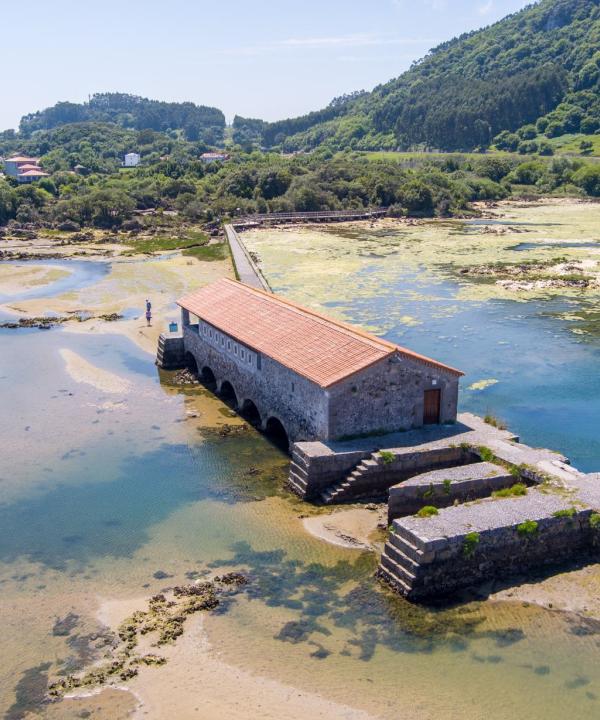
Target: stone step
[
  {"x": 295, "y": 488},
  {"x": 408, "y": 548},
  {"x": 369, "y": 463},
  {"x": 401, "y": 558},
  {"x": 391, "y": 579},
  {"x": 398, "y": 570},
  {"x": 405, "y": 534},
  {"x": 298, "y": 480},
  {"x": 299, "y": 470}
]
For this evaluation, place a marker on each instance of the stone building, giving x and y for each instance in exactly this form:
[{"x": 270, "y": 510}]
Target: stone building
[{"x": 303, "y": 376}]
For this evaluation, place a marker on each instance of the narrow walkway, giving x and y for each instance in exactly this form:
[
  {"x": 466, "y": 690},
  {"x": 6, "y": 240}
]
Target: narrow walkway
[{"x": 246, "y": 268}]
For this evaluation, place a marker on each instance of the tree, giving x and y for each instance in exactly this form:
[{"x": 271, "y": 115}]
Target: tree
[{"x": 588, "y": 178}]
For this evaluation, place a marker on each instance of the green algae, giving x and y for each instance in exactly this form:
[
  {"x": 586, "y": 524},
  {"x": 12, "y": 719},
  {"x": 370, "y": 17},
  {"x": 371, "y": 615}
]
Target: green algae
[{"x": 334, "y": 267}]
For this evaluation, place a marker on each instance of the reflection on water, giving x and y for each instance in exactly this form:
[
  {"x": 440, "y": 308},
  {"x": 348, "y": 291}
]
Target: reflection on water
[
  {"x": 81, "y": 273},
  {"x": 120, "y": 494}
]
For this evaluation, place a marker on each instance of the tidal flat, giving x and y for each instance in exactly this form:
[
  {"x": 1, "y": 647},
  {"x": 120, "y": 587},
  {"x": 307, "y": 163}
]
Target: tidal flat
[{"x": 118, "y": 484}]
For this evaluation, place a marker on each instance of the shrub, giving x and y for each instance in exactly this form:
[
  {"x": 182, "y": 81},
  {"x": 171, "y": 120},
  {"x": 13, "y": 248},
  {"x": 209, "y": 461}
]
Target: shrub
[
  {"x": 595, "y": 521},
  {"x": 470, "y": 543},
  {"x": 494, "y": 422},
  {"x": 527, "y": 529},
  {"x": 518, "y": 489},
  {"x": 567, "y": 513},
  {"x": 427, "y": 511},
  {"x": 387, "y": 457},
  {"x": 485, "y": 453},
  {"x": 447, "y": 483}
]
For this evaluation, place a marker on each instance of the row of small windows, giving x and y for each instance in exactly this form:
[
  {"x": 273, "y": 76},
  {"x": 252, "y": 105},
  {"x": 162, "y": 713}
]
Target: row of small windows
[{"x": 224, "y": 341}]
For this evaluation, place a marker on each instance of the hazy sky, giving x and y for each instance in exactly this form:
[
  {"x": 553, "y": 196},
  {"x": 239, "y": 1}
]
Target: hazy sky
[{"x": 268, "y": 58}]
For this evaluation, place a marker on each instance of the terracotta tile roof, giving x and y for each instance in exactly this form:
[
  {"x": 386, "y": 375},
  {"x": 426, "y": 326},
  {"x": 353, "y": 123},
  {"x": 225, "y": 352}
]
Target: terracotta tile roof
[
  {"x": 321, "y": 349},
  {"x": 21, "y": 159},
  {"x": 28, "y": 166},
  {"x": 34, "y": 173}
]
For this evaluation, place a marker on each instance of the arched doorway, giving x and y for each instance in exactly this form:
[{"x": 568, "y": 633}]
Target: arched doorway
[
  {"x": 208, "y": 378},
  {"x": 277, "y": 434},
  {"x": 191, "y": 364},
  {"x": 227, "y": 394},
  {"x": 249, "y": 412}
]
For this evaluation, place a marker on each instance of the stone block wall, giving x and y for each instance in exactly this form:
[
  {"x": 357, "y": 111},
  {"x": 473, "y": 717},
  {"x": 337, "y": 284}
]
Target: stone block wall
[
  {"x": 276, "y": 391},
  {"x": 389, "y": 396}
]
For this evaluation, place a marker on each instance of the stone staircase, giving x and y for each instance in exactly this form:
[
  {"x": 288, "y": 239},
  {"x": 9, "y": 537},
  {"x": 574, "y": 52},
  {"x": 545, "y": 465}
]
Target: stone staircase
[
  {"x": 298, "y": 474},
  {"x": 170, "y": 352},
  {"x": 357, "y": 485},
  {"x": 402, "y": 559}
]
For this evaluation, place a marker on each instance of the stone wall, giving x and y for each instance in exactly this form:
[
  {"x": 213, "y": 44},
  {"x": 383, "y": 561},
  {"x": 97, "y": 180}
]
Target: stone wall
[
  {"x": 276, "y": 391},
  {"x": 389, "y": 396}
]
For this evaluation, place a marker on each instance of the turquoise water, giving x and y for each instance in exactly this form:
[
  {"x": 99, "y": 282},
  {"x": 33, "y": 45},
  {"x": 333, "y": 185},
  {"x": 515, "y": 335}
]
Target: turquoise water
[
  {"x": 117, "y": 494},
  {"x": 548, "y": 388}
]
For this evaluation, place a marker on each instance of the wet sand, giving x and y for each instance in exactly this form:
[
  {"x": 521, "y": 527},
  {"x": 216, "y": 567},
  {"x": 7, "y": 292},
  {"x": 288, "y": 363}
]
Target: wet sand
[
  {"x": 356, "y": 528},
  {"x": 196, "y": 683}
]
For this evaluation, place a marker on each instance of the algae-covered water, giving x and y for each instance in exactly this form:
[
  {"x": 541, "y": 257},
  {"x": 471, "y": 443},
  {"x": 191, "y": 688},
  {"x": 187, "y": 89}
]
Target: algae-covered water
[
  {"x": 114, "y": 484},
  {"x": 531, "y": 358}
]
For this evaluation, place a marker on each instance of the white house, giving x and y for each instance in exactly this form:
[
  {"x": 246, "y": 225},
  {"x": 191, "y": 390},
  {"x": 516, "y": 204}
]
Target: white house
[
  {"x": 132, "y": 160},
  {"x": 210, "y": 157}
]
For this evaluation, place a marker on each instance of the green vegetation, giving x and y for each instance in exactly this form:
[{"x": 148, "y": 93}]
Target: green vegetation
[
  {"x": 216, "y": 251},
  {"x": 446, "y": 485},
  {"x": 595, "y": 521},
  {"x": 516, "y": 490},
  {"x": 387, "y": 457},
  {"x": 521, "y": 82},
  {"x": 130, "y": 111},
  {"x": 494, "y": 422},
  {"x": 567, "y": 513},
  {"x": 427, "y": 511},
  {"x": 527, "y": 529},
  {"x": 470, "y": 543},
  {"x": 172, "y": 181},
  {"x": 485, "y": 453}
]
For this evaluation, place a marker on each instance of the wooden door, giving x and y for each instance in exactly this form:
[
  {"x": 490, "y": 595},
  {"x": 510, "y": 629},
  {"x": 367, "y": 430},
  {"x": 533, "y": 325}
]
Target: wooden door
[{"x": 431, "y": 410}]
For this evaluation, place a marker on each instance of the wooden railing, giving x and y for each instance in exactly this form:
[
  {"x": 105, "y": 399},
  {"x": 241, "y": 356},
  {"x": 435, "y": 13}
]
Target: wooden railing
[{"x": 308, "y": 216}]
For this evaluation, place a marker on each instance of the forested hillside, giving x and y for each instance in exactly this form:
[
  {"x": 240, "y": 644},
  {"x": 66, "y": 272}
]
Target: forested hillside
[
  {"x": 534, "y": 74},
  {"x": 130, "y": 111}
]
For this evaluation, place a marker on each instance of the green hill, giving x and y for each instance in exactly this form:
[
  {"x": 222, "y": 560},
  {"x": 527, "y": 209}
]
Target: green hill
[
  {"x": 533, "y": 75},
  {"x": 197, "y": 122}
]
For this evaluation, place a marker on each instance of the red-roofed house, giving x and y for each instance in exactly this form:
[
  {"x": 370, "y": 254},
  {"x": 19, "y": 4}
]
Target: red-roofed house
[
  {"x": 23, "y": 168},
  {"x": 306, "y": 374}
]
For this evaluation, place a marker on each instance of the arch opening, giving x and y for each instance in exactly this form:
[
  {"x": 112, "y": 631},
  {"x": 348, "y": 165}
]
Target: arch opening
[
  {"x": 249, "y": 412},
  {"x": 277, "y": 434},
  {"x": 207, "y": 377},
  {"x": 227, "y": 394},
  {"x": 191, "y": 364}
]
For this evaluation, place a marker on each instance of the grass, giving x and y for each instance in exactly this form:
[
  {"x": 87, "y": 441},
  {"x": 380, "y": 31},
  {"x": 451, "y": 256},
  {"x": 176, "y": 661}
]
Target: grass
[
  {"x": 595, "y": 521},
  {"x": 567, "y": 513},
  {"x": 517, "y": 490},
  {"x": 427, "y": 511},
  {"x": 218, "y": 251},
  {"x": 190, "y": 240},
  {"x": 494, "y": 422},
  {"x": 470, "y": 543},
  {"x": 485, "y": 453},
  {"x": 387, "y": 457},
  {"x": 527, "y": 529}
]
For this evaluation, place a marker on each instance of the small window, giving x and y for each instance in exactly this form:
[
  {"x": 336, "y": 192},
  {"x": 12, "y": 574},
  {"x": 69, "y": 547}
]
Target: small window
[
  {"x": 235, "y": 349},
  {"x": 293, "y": 388},
  {"x": 243, "y": 355},
  {"x": 250, "y": 358},
  {"x": 229, "y": 344},
  {"x": 258, "y": 362}
]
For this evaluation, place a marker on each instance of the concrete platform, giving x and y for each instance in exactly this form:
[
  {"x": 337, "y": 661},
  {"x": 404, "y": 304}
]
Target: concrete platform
[{"x": 441, "y": 488}]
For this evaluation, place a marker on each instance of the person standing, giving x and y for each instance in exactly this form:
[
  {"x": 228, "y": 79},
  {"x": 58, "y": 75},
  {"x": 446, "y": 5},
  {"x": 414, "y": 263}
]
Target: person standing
[{"x": 148, "y": 311}]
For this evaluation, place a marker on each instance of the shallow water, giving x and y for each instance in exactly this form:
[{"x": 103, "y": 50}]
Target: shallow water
[{"x": 117, "y": 494}]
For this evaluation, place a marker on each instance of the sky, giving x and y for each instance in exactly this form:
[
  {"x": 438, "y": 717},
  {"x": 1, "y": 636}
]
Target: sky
[{"x": 264, "y": 58}]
